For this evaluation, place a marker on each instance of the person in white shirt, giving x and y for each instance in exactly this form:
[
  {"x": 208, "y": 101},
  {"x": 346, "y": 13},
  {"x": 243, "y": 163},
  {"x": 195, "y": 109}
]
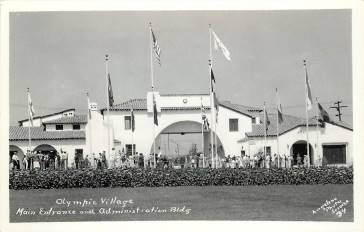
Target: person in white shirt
[{"x": 267, "y": 161}]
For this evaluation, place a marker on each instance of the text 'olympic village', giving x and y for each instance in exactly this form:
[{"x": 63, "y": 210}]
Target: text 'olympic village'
[{"x": 138, "y": 132}]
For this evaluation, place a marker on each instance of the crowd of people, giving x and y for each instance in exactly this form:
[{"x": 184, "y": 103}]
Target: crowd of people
[{"x": 54, "y": 160}]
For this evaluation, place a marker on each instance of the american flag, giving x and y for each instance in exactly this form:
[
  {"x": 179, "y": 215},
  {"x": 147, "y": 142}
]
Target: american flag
[{"x": 156, "y": 47}]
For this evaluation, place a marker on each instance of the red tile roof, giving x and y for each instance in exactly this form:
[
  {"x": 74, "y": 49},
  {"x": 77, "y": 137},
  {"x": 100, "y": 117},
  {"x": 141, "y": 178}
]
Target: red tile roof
[
  {"x": 289, "y": 123},
  {"x": 141, "y": 104},
  {"x": 47, "y": 115},
  {"x": 38, "y": 133},
  {"x": 76, "y": 119}
]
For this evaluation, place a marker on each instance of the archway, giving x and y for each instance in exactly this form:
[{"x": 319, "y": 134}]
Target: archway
[
  {"x": 300, "y": 148},
  {"x": 16, "y": 150},
  {"x": 49, "y": 155},
  {"x": 184, "y": 142}
]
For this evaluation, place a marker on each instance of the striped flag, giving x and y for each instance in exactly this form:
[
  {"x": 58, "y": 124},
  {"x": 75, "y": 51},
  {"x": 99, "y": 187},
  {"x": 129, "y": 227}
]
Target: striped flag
[
  {"x": 219, "y": 45},
  {"x": 308, "y": 92},
  {"x": 279, "y": 108},
  {"x": 110, "y": 93},
  {"x": 30, "y": 108},
  {"x": 156, "y": 47}
]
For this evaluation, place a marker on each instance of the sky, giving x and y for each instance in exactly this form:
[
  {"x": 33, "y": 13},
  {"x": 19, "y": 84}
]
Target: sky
[{"x": 60, "y": 56}]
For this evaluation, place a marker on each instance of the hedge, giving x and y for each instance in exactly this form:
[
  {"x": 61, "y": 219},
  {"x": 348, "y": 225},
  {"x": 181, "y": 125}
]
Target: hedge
[{"x": 135, "y": 177}]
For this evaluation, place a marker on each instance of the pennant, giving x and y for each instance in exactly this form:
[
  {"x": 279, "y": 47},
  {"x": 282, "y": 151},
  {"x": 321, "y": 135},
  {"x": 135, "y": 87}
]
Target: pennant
[
  {"x": 156, "y": 47},
  {"x": 155, "y": 114},
  {"x": 324, "y": 116},
  {"x": 279, "y": 108},
  {"x": 31, "y": 111},
  {"x": 111, "y": 97},
  {"x": 216, "y": 105},
  {"x": 132, "y": 119},
  {"x": 308, "y": 93},
  {"x": 219, "y": 45}
]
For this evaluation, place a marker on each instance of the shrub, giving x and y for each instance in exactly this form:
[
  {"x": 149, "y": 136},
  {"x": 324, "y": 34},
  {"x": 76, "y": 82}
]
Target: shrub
[{"x": 134, "y": 177}]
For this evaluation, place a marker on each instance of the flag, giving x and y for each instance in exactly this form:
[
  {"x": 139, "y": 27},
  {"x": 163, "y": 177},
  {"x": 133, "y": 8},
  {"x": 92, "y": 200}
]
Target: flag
[
  {"x": 324, "y": 116},
  {"x": 109, "y": 89},
  {"x": 132, "y": 119},
  {"x": 89, "y": 107},
  {"x": 156, "y": 47},
  {"x": 30, "y": 108},
  {"x": 212, "y": 80},
  {"x": 206, "y": 124},
  {"x": 219, "y": 45},
  {"x": 155, "y": 115},
  {"x": 308, "y": 93},
  {"x": 279, "y": 108},
  {"x": 267, "y": 121},
  {"x": 216, "y": 105}
]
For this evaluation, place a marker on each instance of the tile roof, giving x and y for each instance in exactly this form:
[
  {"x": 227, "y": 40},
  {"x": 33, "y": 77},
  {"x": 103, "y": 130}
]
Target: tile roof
[
  {"x": 141, "y": 104},
  {"x": 249, "y": 111},
  {"x": 69, "y": 120},
  {"x": 136, "y": 104},
  {"x": 47, "y": 115},
  {"x": 289, "y": 122},
  {"x": 38, "y": 133}
]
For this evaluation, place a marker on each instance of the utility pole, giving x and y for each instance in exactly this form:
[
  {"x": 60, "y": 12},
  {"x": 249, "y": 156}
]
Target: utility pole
[{"x": 338, "y": 108}]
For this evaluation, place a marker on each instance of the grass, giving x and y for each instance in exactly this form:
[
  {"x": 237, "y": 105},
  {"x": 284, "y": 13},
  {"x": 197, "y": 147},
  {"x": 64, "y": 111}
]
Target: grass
[{"x": 269, "y": 203}]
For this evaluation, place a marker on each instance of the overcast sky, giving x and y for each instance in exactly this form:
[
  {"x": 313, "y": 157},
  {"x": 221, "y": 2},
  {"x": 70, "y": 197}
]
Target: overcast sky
[{"x": 60, "y": 55}]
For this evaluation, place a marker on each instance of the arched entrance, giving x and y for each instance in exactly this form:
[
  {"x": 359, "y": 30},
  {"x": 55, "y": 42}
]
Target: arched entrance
[
  {"x": 299, "y": 148},
  {"x": 48, "y": 155},
  {"x": 15, "y": 150},
  {"x": 183, "y": 143}
]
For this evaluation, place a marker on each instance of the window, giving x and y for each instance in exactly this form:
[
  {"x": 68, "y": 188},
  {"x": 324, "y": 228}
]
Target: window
[
  {"x": 233, "y": 124},
  {"x": 76, "y": 126},
  {"x": 129, "y": 150},
  {"x": 268, "y": 150},
  {"x": 254, "y": 120},
  {"x": 59, "y": 127},
  {"x": 127, "y": 122},
  {"x": 334, "y": 154}
]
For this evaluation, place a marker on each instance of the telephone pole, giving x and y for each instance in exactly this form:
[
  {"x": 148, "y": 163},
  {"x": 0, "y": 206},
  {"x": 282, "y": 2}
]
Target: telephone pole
[{"x": 338, "y": 108}]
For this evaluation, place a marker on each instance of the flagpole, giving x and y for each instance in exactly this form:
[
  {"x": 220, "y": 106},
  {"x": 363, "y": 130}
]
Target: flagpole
[
  {"x": 108, "y": 106},
  {"x": 89, "y": 122},
  {"x": 132, "y": 131},
  {"x": 211, "y": 106},
  {"x": 265, "y": 131},
  {"x": 317, "y": 132},
  {"x": 278, "y": 165},
  {"x": 29, "y": 112},
  {"x": 152, "y": 80},
  {"x": 307, "y": 141},
  {"x": 202, "y": 137}
]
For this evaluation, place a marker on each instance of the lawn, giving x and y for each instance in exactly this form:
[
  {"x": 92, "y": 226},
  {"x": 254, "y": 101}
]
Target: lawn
[{"x": 274, "y": 202}]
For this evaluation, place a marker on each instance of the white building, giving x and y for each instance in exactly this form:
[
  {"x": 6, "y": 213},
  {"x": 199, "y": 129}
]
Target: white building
[
  {"x": 50, "y": 133},
  {"x": 239, "y": 130}
]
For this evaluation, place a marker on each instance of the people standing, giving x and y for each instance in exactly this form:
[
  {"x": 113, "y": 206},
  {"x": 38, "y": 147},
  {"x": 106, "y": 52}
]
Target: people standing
[
  {"x": 299, "y": 160},
  {"x": 267, "y": 161}
]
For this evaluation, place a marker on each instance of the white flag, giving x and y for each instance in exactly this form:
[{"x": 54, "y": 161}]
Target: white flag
[
  {"x": 30, "y": 109},
  {"x": 219, "y": 45},
  {"x": 308, "y": 93}
]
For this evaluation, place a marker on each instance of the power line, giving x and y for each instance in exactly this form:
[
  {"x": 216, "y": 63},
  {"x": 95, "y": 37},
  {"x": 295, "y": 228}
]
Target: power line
[{"x": 338, "y": 108}]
